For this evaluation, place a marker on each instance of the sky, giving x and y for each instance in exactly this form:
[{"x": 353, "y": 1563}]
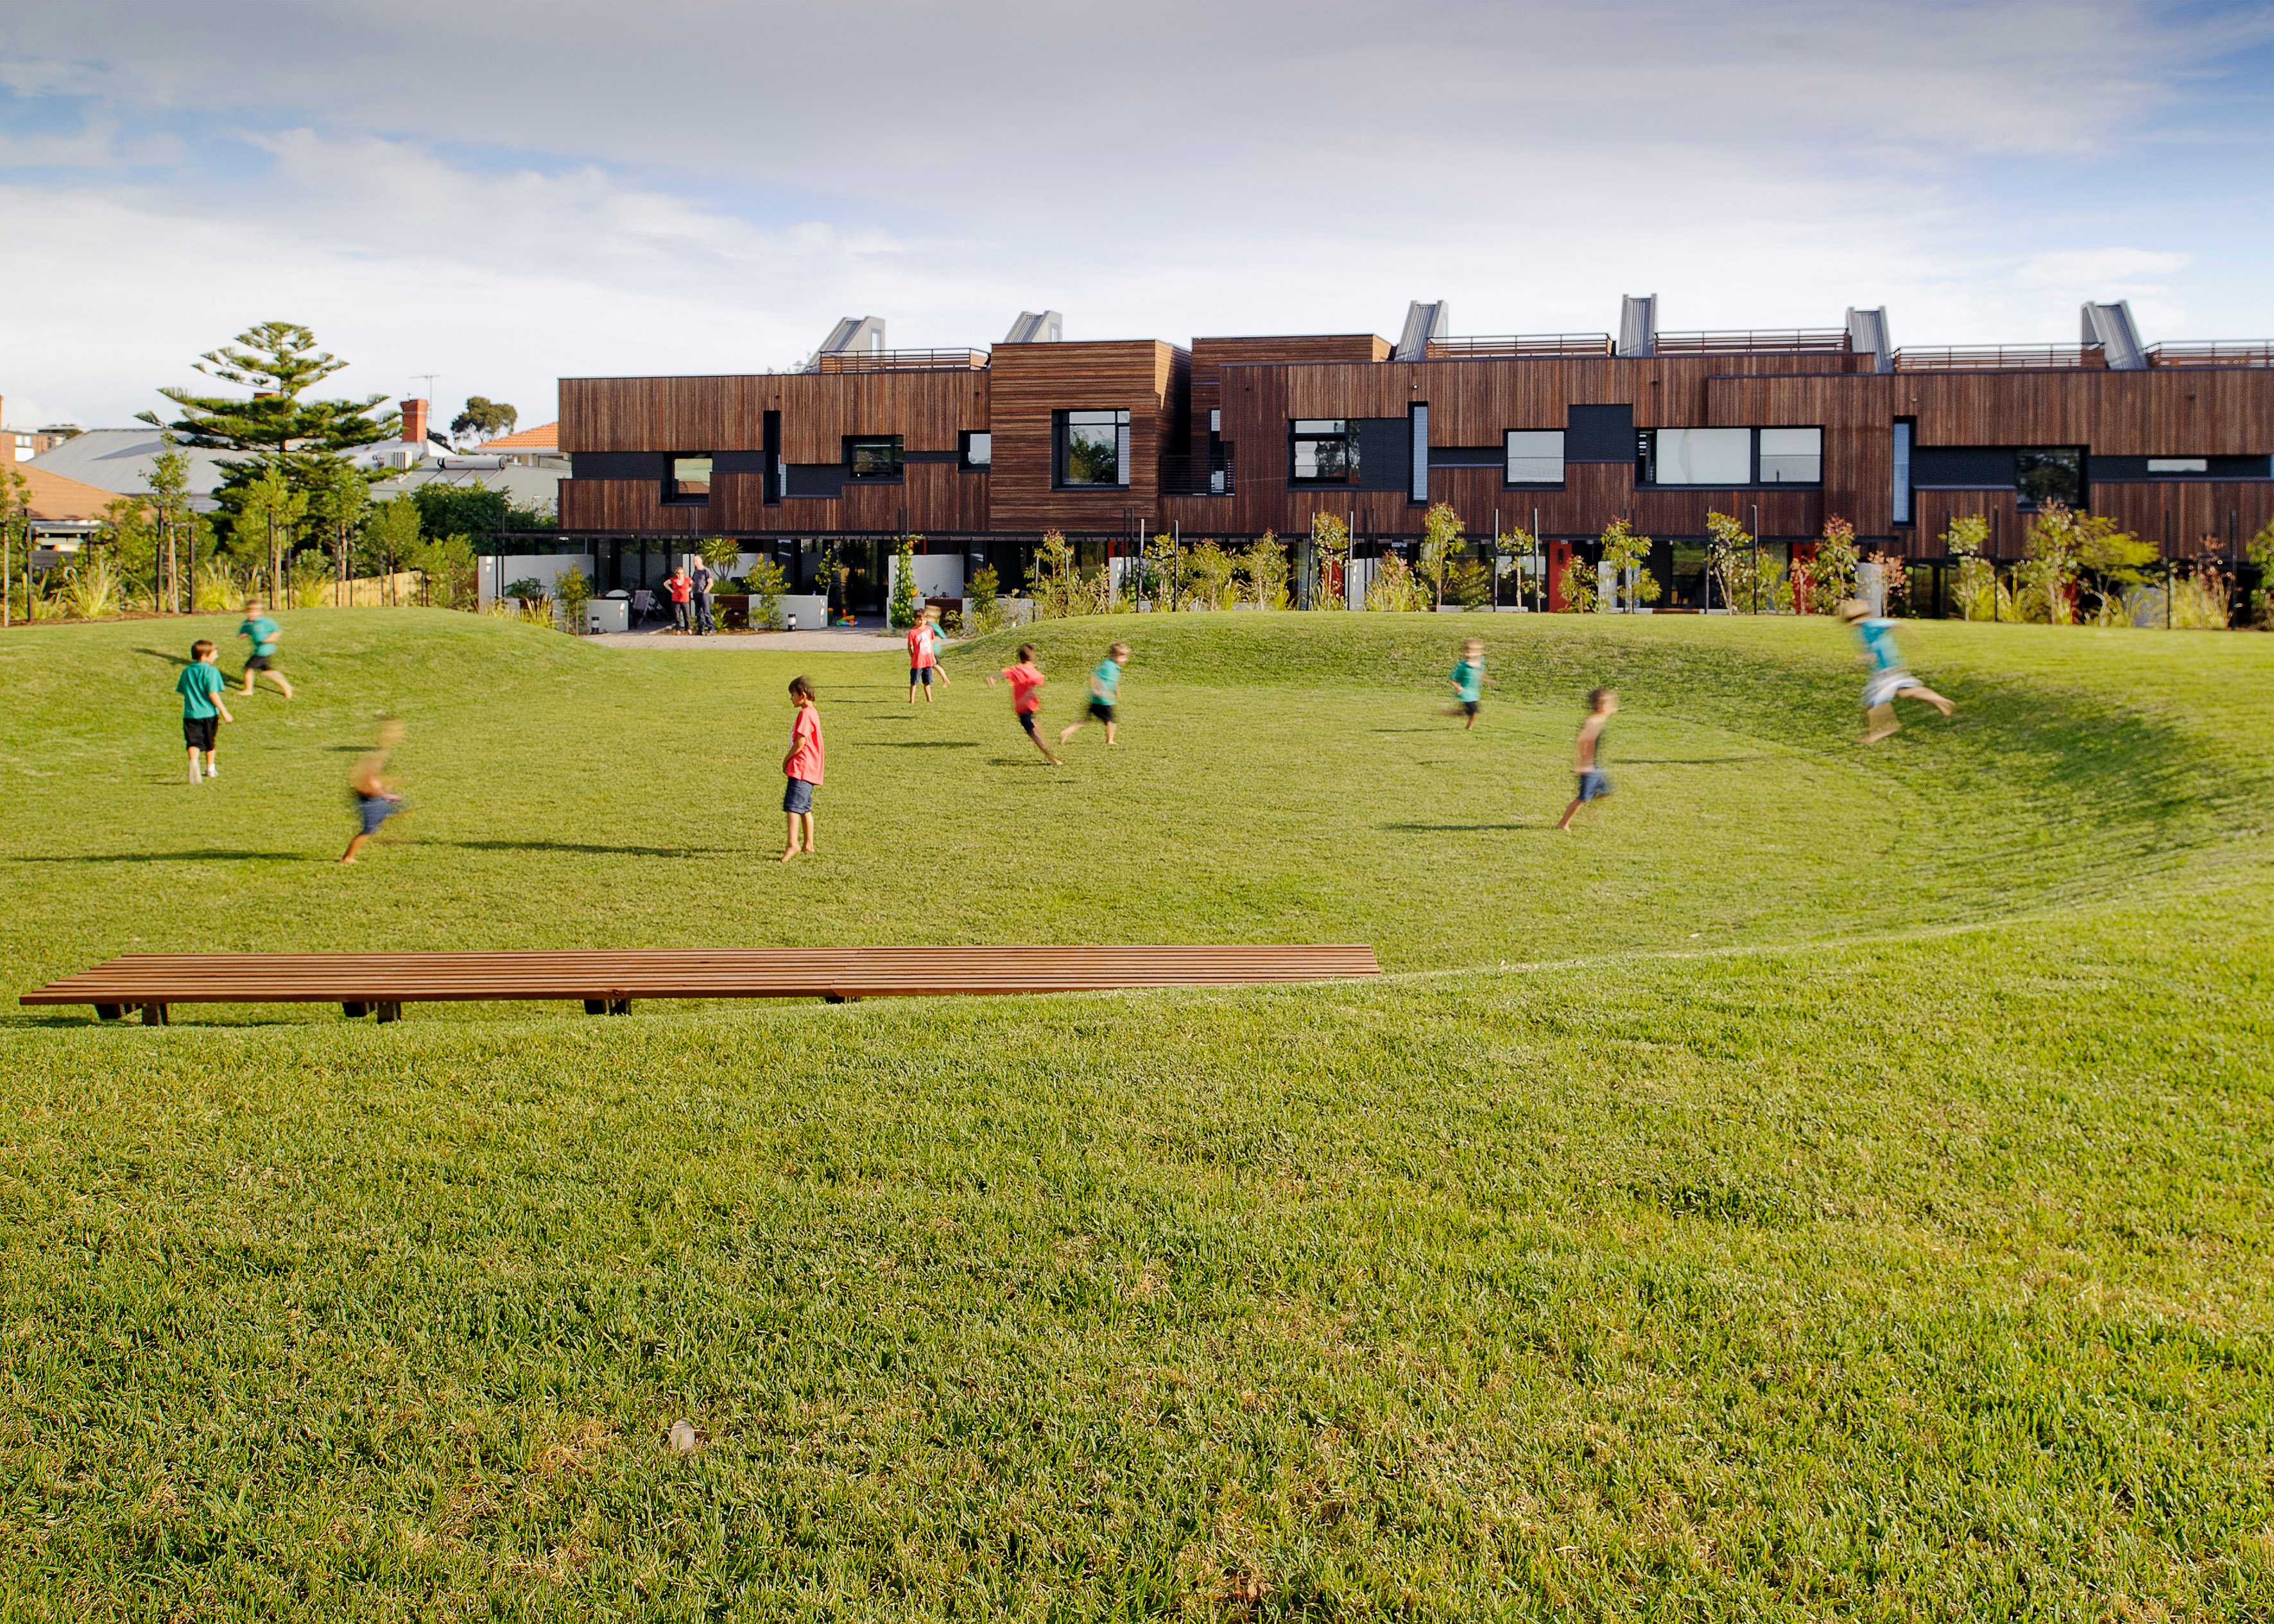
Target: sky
[{"x": 506, "y": 194}]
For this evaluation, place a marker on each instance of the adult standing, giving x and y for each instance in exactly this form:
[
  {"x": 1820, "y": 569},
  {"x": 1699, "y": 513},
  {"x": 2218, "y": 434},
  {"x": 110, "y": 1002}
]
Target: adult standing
[
  {"x": 682, "y": 594},
  {"x": 701, "y": 582}
]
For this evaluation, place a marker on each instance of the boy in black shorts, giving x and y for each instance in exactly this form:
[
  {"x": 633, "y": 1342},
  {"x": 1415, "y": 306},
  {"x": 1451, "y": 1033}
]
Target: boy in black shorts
[
  {"x": 1104, "y": 693},
  {"x": 201, "y": 686},
  {"x": 375, "y": 803}
]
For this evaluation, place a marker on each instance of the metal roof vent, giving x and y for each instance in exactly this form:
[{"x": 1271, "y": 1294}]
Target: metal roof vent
[
  {"x": 1867, "y": 335},
  {"x": 1036, "y": 327},
  {"x": 852, "y": 336},
  {"x": 1638, "y": 325},
  {"x": 1424, "y": 320},
  {"x": 2110, "y": 327}
]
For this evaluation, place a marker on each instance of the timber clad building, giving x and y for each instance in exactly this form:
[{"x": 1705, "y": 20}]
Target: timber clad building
[{"x": 980, "y": 451}]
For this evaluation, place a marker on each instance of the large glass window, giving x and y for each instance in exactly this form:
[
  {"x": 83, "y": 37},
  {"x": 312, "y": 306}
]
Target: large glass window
[
  {"x": 1417, "y": 485},
  {"x": 1702, "y": 456},
  {"x": 872, "y": 457},
  {"x": 2179, "y": 465},
  {"x": 1535, "y": 456},
  {"x": 978, "y": 449},
  {"x": 2048, "y": 474},
  {"x": 1093, "y": 448},
  {"x": 1792, "y": 457},
  {"x": 1900, "y": 507},
  {"x": 689, "y": 480},
  {"x": 1326, "y": 450}
]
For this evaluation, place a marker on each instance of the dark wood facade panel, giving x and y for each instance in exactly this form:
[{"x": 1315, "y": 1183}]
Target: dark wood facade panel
[
  {"x": 2189, "y": 518},
  {"x": 657, "y": 414},
  {"x": 929, "y": 410},
  {"x": 2165, "y": 411}
]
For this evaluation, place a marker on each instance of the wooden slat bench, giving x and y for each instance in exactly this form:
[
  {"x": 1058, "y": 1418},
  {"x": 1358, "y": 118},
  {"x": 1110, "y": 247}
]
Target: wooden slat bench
[{"x": 607, "y": 981}]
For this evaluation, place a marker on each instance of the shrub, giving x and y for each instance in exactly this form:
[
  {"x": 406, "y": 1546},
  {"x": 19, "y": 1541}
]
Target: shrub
[
  {"x": 574, "y": 589},
  {"x": 1896, "y": 579},
  {"x": 91, "y": 588},
  {"x": 1054, "y": 583},
  {"x": 1157, "y": 573},
  {"x": 2261, "y": 552},
  {"x": 1576, "y": 583},
  {"x": 1210, "y": 573},
  {"x": 1471, "y": 583},
  {"x": 1744, "y": 585},
  {"x": 1829, "y": 579},
  {"x": 1264, "y": 566},
  {"x": 983, "y": 602},
  {"x": 2203, "y": 601},
  {"x": 1395, "y": 588},
  {"x": 901, "y": 612},
  {"x": 1623, "y": 551},
  {"x": 1441, "y": 539},
  {"x": 765, "y": 583},
  {"x": 1330, "y": 545}
]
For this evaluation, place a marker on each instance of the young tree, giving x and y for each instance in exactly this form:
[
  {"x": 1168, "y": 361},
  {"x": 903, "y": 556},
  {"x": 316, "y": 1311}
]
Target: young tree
[
  {"x": 901, "y": 612},
  {"x": 1441, "y": 535},
  {"x": 15, "y": 540},
  {"x": 1158, "y": 581},
  {"x": 1623, "y": 551},
  {"x": 169, "y": 503},
  {"x": 483, "y": 418},
  {"x": 337, "y": 508},
  {"x": 1264, "y": 564},
  {"x": 1979, "y": 594},
  {"x": 276, "y": 363},
  {"x": 1210, "y": 571},
  {"x": 1747, "y": 587},
  {"x": 391, "y": 536},
  {"x": 1331, "y": 547},
  {"x": 267, "y": 522},
  {"x": 131, "y": 540},
  {"x": 1832, "y": 572}
]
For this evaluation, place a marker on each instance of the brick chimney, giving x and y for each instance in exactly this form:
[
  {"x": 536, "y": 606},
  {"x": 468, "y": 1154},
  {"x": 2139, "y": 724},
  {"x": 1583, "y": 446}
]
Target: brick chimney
[{"x": 414, "y": 421}]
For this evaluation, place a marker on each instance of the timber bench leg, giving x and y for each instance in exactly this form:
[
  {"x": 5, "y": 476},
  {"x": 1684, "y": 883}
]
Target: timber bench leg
[
  {"x": 154, "y": 1014},
  {"x": 619, "y": 1006},
  {"x": 355, "y": 1011},
  {"x": 386, "y": 1013},
  {"x": 596, "y": 1006},
  {"x": 110, "y": 1012},
  {"x": 607, "y": 1006}
]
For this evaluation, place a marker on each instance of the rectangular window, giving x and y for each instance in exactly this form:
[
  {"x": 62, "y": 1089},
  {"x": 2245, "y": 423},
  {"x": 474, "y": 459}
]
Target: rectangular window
[
  {"x": 1535, "y": 456},
  {"x": 872, "y": 457},
  {"x": 1900, "y": 506},
  {"x": 1326, "y": 450},
  {"x": 1216, "y": 420},
  {"x": 1093, "y": 448},
  {"x": 2179, "y": 465},
  {"x": 978, "y": 449},
  {"x": 1704, "y": 456},
  {"x": 2045, "y": 474},
  {"x": 689, "y": 481},
  {"x": 1792, "y": 457},
  {"x": 1417, "y": 488}
]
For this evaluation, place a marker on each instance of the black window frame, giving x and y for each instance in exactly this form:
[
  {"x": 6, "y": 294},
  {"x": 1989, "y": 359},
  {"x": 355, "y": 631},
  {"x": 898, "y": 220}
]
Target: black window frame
[
  {"x": 673, "y": 494},
  {"x": 963, "y": 450},
  {"x": 1124, "y": 435},
  {"x": 1907, "y": 489},
  {"x": 1646, "y": 458},
  {"x": 2024, "y": 502},
  {"x": 1562, "y": 462},
  {"x": 853, "y": 475},
  {"x": 1297, "y": 436}
]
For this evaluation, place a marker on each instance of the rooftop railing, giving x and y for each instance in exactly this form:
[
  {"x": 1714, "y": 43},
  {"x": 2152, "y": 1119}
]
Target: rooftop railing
[
  {"x": 1992, "y": 357},
  {"x": 2220, "y": 352},
  {"x": 1797, "y": 340},
  {"x": 1520, "y": 344},
  {"x": 903, "y": 361}
]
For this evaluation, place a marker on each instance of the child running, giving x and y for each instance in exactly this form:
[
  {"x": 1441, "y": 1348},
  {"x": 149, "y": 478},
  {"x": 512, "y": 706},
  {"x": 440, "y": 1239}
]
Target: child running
[
  {"x": 1026, "y": 680},
  {"x": 802, "y": 769},
  {"x": 264, "y": 631},
  {"x": 1104, "y": 693},
  {"x": 375, "y": 799},
  {"x": 939, "y": 641},
  {"x": 1468, "y": 681},
  {"x": 1602, "y": 706},
  {"x": 1889, "y": 679},
  {"x": 201, "y": 686},
  {"x": 923, "y": 656}
]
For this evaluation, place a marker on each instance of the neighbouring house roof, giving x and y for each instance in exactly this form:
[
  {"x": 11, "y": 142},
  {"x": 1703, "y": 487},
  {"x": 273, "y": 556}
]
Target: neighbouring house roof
[
  {"x": 543, "y": 437},
  {"x": 52, "y": 496},
  {"x": 524, "y": 487},
  {"x": 119, "y": 461}
]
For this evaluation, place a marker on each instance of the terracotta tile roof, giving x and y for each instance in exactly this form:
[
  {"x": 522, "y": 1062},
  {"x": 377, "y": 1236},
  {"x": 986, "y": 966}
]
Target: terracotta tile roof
[
  {"x": 53, "y": 496},
  {"x": 543, "y": 437}
]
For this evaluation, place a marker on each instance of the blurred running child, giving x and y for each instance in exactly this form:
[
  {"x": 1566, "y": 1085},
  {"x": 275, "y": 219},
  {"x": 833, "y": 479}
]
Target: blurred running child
[
  {"x": 1026, "y": 680},
  {"x": 923, "y": 656},
  {"x": 1104, "y": 693},
  {"x": 1602, "y": 706},
  {"x": 930, "y": 618},
  {"x": 802, "y": 769},
  {"x": 1468, "y": 681},
  {"x": 264, "y": 631},
  {"x": 201, "y": 686},
  {"x": 375, "y": 799},
  {"x": 1889, "y": 680},
  {"x": 683, "y": 595}
]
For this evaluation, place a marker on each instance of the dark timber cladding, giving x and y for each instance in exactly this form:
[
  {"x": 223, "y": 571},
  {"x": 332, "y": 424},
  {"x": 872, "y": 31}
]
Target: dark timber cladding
[{"x": 2176, "y": 443}]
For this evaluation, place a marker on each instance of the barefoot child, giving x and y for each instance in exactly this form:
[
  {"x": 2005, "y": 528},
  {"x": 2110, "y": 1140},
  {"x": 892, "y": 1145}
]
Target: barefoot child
[
  {"x": 923, "y": 656},
  {"x": 802, "y": 769},
  {"x": 1026, "y": 680},
  {"x": 1889, "y": 679},
  {"x": 1602, "y": 706},
  {"x": 264, "y": 631},
  {"x": 201, "y": 686},
  {"x": 939, "y": 641},
  {"x": 375, "y": 800},
  {"x": 1104, "y": 693},
  {"x": 1468, "y": 681}
]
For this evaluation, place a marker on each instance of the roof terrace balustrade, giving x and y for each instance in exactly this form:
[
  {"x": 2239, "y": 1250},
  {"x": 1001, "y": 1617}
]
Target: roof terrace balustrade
[
  {"x": 2216, "y": 352},
  {"x": 903, "y": 361},
  {"x": 1795, "y": 341},
  {"x": 1992, "y": 357},
  {"x": 1520, "y": 346}
]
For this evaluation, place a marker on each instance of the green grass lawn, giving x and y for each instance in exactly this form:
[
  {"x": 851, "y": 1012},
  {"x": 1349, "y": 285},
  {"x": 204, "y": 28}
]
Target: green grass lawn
[{"x": 1833, "y": 1182}]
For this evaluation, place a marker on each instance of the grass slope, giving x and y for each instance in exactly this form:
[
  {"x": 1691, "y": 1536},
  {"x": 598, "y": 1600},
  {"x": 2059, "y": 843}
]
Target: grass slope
[{"x": 1832, "y": 1184}]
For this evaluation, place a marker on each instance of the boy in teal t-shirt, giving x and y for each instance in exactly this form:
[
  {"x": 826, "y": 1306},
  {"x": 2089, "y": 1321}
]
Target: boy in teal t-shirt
[
  {"x": 1104, "y": 693},
  {"x": 1468, "y": 681},
  {"x": 201, "y": 686},
  {"x": 264, "y": 633}
]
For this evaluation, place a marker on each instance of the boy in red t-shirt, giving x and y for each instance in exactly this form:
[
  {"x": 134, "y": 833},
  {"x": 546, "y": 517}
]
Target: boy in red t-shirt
[
  {"x": 1026, "y": 680},
  {"x": 924, "y": 660},
  {"x": 801, "y": 767}
]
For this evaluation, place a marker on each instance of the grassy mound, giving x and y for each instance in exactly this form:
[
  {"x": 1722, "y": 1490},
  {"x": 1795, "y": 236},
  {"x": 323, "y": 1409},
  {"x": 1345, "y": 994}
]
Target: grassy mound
[{"x": 1858, "y": 1210}]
